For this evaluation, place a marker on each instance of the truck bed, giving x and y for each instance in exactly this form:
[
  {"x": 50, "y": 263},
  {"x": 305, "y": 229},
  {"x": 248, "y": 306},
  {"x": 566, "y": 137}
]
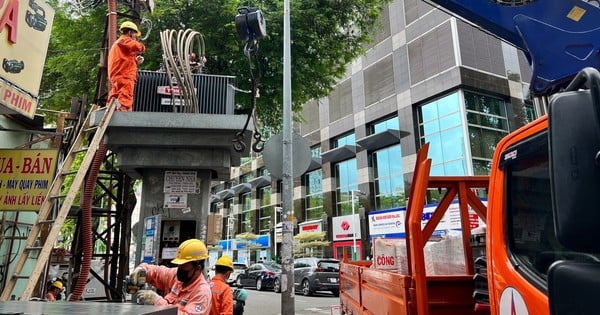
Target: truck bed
[{"x": 364, "y": 290}]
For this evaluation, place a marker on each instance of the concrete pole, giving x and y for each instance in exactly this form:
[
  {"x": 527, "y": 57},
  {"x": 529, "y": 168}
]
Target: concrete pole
[{"x": 287, "y": 253}]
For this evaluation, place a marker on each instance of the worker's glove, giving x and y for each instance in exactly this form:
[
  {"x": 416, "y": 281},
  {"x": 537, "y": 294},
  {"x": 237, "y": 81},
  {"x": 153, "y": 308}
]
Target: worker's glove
[
  {"x": 134, "y": 277},
  {"x": 139, "y": 59},
  {"x": 147, "y": 297}
]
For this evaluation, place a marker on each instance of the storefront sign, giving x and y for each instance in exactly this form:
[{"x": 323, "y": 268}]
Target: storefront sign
[
  {"x": 25, "y": 27},
  {"x": 346, "y": 227},
  {"x": 25, "y": 178},
  {"x": 311, "y": 226}
]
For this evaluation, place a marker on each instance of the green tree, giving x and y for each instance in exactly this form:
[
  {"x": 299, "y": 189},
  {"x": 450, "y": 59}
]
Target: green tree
[
  {"x": 326, "y": 35},
  {"x": 73, "y": 53}
]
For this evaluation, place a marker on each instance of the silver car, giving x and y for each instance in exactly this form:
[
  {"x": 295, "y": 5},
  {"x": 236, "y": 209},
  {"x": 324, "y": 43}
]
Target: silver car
[{"x": 313, "y": 274}]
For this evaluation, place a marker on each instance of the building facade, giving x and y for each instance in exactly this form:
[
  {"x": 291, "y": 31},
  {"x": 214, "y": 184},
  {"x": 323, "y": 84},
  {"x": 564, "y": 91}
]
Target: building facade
[{"x": 427, "y": 77}]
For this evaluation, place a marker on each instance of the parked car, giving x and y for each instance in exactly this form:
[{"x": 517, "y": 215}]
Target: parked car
[
  {"x": 237, "y": 269},
  {"x": 313, "y": 274},
  {"x": 260, "y": 276}
]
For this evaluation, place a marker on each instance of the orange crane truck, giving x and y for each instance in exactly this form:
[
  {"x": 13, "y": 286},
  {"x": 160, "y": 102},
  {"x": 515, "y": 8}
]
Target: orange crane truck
[{"x": 542, "y": 236}]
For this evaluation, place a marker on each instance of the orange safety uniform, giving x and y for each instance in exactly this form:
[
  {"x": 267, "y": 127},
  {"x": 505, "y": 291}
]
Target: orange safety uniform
[
  {"x": 193, "y": 299},
  {"x": 222, "y": 297},
  {"x": 122, "y": 70}
]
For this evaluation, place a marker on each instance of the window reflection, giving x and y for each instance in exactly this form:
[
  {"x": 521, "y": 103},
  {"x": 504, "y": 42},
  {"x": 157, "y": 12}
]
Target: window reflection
[
  {"x": 346, "y": 175},
  {"x": 313, "y": 203},
  {"x": 487, "y": 124},
  {"x": 388, "y": 178}
]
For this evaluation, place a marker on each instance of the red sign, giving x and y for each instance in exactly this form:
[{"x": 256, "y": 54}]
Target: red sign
[
  {"x": 310, "y": 228},
  {"x": 167, "y": 90}
]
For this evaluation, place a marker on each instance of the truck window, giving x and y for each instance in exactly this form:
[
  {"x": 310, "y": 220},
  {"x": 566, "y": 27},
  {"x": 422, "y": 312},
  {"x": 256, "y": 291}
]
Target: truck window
[{"x": 530, "y": 227}]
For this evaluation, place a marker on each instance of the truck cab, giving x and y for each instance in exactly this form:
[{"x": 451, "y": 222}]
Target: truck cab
[{"x": 542, "y": 225}]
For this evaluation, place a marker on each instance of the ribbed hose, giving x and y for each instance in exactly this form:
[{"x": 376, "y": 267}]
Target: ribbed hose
[{"x": 86, "y": 226}]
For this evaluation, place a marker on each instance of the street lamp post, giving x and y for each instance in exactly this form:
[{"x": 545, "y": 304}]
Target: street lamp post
[
  {"x": 230, "y": 222},
  {"x": 352, "y": 192}
]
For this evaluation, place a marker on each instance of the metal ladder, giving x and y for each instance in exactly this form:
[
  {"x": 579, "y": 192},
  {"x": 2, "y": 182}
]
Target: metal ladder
[{"x": 40, "y": 253}]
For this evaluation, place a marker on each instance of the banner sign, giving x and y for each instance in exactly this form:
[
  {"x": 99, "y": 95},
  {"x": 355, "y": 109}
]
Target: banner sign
[
  {"x": 390, "y": 223},
  {"x": 25, "y": 178},
  {"x": 25, "y": 27}
]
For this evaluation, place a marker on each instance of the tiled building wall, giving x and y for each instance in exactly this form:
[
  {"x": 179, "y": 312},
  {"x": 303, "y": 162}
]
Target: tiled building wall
[{"x": 419, "y": 54}]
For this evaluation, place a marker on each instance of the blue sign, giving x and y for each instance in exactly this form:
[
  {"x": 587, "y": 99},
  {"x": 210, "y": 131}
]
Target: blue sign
[
  {"x": 150, "y": 226},
  {"x": 263, "y": 241}
]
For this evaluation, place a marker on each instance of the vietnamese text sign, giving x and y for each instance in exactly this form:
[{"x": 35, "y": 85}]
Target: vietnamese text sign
[
  {"x": 180, "y": 182},
  {"x": 176, "y": 201},
  {"x": 387, "y": 223},
  {"x": 25, "y": 177},
  {"x": 25, "y": 27},
  {"x": 390, "y": 223}
]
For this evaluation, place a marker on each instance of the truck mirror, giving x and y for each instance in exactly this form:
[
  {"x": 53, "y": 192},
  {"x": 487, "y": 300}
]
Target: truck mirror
[
  {"x": 573, "y": 287},
  {"x": 574, "y": 140}
]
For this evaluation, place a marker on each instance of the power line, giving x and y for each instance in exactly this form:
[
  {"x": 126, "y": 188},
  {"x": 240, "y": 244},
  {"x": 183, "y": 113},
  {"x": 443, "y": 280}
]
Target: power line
[{"x": 75, "y": 50}]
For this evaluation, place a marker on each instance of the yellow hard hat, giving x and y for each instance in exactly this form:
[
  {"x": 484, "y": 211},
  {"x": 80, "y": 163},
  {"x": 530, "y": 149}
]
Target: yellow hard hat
[
  {"x": 57, "y": 284},
  {"x": 190, "y": 250},
  {"x": 225, "y": 261},
  {"x": 131, "y": 26}
]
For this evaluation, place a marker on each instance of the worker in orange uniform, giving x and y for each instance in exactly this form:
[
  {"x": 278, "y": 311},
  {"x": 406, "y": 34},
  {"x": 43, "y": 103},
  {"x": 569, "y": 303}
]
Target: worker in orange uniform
[
  {"x": 183, "y": 286},
  {"x": 54, "y": 291},
  {"x": 123, "y": 60},
  {"x": 222, "y": 296}
]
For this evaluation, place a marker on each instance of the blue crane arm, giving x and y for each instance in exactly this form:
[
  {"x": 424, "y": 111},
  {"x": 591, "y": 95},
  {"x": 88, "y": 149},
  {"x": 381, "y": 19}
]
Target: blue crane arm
[{"x": 559, "y": 37}]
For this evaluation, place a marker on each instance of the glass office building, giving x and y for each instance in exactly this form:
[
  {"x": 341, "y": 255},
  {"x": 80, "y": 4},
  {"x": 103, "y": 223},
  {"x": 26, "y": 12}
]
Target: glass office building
[{"x": 427, "y": 77}]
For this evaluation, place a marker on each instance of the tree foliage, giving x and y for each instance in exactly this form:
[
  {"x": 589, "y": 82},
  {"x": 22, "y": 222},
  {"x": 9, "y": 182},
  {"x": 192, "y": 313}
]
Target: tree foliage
[
  {"x": 325, "y": 36},
  {"x": 73, "y": 55}
]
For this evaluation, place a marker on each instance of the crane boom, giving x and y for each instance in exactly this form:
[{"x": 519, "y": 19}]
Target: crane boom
[{"x": 559, "y": 37}]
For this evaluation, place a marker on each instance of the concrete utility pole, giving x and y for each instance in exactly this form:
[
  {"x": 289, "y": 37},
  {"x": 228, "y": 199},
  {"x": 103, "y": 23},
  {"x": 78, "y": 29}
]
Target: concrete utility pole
[{"x": 287, "y": 228}]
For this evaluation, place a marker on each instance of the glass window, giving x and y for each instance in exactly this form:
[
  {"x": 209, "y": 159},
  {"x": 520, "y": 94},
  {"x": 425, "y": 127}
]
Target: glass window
[
  {"x": 315, "y": 152},
  {"x": 266, "y": 210},
  {"x": 487, "y": 124},
  {"x": 529, "y": 112},
  {"x": 246, "y": 178},
  {"x": 346, "y": 176},
  {"x": 249, "y": 215},
  {"x": 345, "y": 140},
  {"x": 262, "y": 171},
  {"x": 388, "y": 124},
  {"x": 214, "y": 207},
  {"x": 313, "y": 203},
  {"x": 532, "y": 239},
  {"x": 388, "y": 177},
  {"x": 441, "y": 124}
]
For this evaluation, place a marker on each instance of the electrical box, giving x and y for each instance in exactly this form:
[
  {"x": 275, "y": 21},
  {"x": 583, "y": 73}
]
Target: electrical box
[
  {"x": 170, "y": 231},
  {"x": 173, "y": 233}
]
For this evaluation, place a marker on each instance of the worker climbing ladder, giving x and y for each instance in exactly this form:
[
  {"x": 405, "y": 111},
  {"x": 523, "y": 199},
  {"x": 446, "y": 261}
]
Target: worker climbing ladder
[{"x": 40, "y": 253}]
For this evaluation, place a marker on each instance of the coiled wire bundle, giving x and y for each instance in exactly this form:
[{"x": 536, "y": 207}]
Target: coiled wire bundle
[{"x": 180, "y": 61}]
